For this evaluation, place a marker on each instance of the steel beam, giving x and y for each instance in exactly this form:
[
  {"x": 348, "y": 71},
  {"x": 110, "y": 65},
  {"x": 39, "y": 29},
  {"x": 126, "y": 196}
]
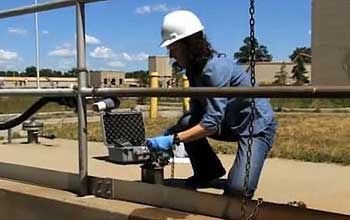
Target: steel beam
[
  {"x": 162, "y": 196},
  {"x": 37, "y": 92},
  {"x": 272, "y": 92},
  {"x": 81, "y": 104},
  {"x": 42, "y": 7}
]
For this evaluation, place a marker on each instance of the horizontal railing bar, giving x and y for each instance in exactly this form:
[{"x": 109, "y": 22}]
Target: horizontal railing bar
[
  {"x": 41, "y": 7},
  {"x": 38, "y": 92},
  {"x": 271, "y": 92}
]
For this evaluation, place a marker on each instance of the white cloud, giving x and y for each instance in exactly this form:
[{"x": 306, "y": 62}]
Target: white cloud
[
  {"x": 116, "y": 63},
  {"x": 161, "y": 8},
  {"x": 117, "y": 60},
  {"x": 140, "y": 56},
  {"x": 92, "y": 40},
  {"x": 6, "y": 55},
  {"x": 19, "y": 31},
  {"x": 132, "y": 57},
  {"x": 102, "y": 52},
  {"x": 310, "y": 32},
  {"x": 143, "y": 9},
  {"x": 147, "y": 9},
  {"x": 125, "y": 56},
  {"x": 65, "y": 51},
  {"x": 45, "y": 32}
]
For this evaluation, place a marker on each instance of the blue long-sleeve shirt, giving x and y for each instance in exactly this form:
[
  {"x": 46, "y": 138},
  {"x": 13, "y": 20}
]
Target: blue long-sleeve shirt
[{"x": 232, "y": 112}]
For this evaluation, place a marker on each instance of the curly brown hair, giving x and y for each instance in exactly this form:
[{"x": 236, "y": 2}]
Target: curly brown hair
[{"x": 199, "y": 52}]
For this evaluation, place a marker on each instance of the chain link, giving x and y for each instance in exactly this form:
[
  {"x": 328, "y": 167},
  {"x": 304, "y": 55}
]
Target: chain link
[
  {"x": 172, "y": 174},
  {"x": 251, "y": 117},
  {"x": 256, "y": 209}
]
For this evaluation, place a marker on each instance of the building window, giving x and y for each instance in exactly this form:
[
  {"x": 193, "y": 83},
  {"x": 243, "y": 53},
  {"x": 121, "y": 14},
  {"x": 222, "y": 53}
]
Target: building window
[{"x": 113, "y": 81}]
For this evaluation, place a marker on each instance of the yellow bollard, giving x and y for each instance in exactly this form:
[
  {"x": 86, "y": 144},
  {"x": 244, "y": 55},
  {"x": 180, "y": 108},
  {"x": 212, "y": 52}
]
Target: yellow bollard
[
  {"x": 153, "y": 112},
  {"x": 186, "y": 100}
]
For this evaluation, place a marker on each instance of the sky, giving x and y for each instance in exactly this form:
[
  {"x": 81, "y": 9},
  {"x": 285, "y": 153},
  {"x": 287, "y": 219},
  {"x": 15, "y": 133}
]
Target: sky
[{"x": 121, "y": 34}]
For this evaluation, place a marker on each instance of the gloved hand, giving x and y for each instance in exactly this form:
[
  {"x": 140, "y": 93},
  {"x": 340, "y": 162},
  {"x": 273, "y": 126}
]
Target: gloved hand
[
  {"x": 160, "y": 143},
  {"x": 167, "y": 132}
]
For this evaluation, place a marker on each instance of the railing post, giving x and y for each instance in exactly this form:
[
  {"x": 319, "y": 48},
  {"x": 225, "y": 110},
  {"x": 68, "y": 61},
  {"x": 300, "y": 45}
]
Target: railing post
[
  {"x": 82, "y": 83},
  {"x": 186, "y": 100},
  {"x": 153, "y": 112},
  {"x": 9, "y": 135}
]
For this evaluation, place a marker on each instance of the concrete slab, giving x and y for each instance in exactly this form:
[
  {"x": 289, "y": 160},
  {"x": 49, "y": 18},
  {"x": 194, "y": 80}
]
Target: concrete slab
[{"x": 320, "y": 186}]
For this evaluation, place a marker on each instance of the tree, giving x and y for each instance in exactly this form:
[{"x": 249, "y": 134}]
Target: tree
[
  {"x": 45, "y": 72},
  {"x": 281, "y": 76},
  {"x": 72, "y": 72},
  {"x": 304, "y": 52},
  {"x": 262, "y": 54},
  {"x": 30, "y": 71},
  {"x": 140, "y": 74},
  {"x": 299, "y": 72}
]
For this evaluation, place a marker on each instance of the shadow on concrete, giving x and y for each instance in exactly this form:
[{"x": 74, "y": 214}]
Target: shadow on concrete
[
  {"x": 181, "y": 183},
  {"x": 106, "y": 159},
  {"x": 156, "y": 213}
]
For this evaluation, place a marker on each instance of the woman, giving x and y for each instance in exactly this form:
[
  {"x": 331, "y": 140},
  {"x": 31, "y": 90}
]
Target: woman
[{"x": 220, "y": 118}]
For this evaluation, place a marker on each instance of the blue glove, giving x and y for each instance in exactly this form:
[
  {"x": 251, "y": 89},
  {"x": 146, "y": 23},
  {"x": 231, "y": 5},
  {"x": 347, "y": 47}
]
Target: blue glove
[{"x": 160, "y": 143}]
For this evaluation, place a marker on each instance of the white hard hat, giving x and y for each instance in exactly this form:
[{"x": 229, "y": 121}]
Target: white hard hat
[{"x": 179, "y": 24}]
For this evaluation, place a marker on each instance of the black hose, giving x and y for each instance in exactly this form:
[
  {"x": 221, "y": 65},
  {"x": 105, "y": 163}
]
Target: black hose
[{"x": 68, "y": 101}]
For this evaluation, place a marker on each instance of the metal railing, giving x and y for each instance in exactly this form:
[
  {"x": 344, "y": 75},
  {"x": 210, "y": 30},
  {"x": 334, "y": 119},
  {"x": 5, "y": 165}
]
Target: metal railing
[
  {"x": 83, "y": 90},
  {"x": 42, "y": 7},
  {"x": 82, "y": 75}
]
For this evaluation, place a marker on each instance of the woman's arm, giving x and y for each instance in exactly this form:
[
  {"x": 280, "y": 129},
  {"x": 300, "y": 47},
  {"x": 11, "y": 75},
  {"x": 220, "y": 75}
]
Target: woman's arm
[{"x": 194, "y": 133}]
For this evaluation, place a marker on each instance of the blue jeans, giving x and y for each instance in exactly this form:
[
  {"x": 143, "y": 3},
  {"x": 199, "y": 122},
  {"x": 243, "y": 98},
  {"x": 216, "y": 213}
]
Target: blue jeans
[{"x": 204, "y": 160}]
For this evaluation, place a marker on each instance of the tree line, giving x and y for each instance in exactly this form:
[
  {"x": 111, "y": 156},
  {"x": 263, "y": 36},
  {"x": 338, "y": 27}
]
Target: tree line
[{"x": 31, "y": 72}]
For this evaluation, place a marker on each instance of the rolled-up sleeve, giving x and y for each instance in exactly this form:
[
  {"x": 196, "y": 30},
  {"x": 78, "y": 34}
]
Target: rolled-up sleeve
[{"x": 214, "y": 106}]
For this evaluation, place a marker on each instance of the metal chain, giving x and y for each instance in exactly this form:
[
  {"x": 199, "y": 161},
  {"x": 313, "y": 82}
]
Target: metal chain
[
  {"x": 172, "y": 175},
  {"x": 256, "y": 209},
  {"x": 251, "y": 117},
  {"x": 173, "y": 169}
]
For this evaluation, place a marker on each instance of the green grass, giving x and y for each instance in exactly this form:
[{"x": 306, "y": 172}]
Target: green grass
[
  {"x": 310, "y": 103},
  {"x": 19, "y": 104},
  {"x": 306, "y": 137}
]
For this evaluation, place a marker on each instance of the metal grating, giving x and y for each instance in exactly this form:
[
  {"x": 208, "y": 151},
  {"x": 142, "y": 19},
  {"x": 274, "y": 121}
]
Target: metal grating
[{"x": 123, "y": 129}]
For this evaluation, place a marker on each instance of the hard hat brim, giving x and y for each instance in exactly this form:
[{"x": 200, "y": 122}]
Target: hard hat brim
[{"x": 167, "y": 42}]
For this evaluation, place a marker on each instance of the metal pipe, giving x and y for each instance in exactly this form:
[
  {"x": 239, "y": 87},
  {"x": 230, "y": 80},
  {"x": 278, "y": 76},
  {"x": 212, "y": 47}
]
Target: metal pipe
[
  {"x": 38, "y": 92},
  {"x": 42, "y": 7},
  {"x": 82, "y": 83},
  {"x": 9, "y": 136},
  {"x": 37, "y": 49},
  {"x": 272, "y": 92}
]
